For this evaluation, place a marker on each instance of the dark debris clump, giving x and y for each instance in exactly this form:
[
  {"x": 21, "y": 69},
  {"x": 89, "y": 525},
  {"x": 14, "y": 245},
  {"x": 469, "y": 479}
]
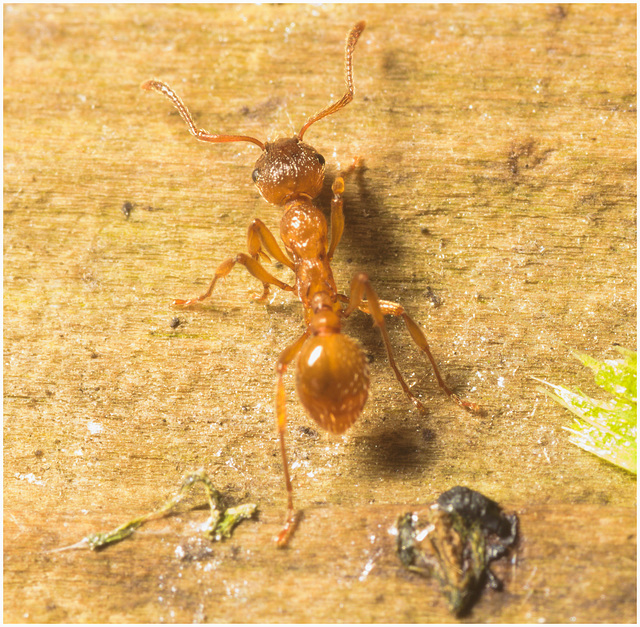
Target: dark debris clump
[{"x": 462, "y": 534}]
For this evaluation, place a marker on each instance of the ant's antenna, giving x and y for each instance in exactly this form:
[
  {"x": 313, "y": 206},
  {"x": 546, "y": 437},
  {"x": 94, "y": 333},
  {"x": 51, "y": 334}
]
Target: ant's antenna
[
  {"x": 198, "y": 133},
  {"x": 352, "y": 39}
]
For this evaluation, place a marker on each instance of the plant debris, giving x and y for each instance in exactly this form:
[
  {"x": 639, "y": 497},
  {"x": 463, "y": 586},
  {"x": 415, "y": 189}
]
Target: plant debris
[
  {"x": 608, "y": 428},
  {"x": 463, "y": 533},
  {"x": 219, "y": 526}
]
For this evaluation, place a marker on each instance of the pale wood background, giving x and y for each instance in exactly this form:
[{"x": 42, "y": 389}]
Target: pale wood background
[{"x": 500, "y": 152}]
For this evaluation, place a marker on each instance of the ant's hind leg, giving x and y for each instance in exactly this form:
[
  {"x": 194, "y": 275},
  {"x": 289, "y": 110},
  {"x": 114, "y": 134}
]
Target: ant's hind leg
[
  {"x": 361, "y": 286},
  {"x": 254, "y": 268},
  {"x": 420, "y": 340},
  {"x": 377, "y": 308},
  {"x": 286, "y": 357}
]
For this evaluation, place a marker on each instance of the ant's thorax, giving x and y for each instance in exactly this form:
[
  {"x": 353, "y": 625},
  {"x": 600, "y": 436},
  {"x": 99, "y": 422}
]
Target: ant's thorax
[{"x": 303, "y": 229}]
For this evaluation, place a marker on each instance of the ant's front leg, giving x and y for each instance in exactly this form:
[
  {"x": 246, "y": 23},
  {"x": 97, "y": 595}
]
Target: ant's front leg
[
  {"x": 254, "y": 268},
  {"x": 261, "y": 239},
  {"x": 337, "y": 216},
  {"x": 258, "y": 236},
  {"x": 337, "y": 213},
  {"x": 377, "y": 309}
]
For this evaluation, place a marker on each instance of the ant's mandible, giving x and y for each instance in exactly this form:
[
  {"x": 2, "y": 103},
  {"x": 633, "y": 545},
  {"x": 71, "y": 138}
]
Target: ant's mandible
[{"x": 332, "y": 377}]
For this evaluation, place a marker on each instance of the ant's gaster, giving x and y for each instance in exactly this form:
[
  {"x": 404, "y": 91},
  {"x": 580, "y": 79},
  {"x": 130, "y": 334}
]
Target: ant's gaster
[{"x": 332, "y": 377}]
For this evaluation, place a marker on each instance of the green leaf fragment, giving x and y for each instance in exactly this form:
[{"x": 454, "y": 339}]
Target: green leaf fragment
[
  {"x": 97, "y": 541},
  {"x": 219, "y": 526},
  {"x": 233, "y": 517},
  {"x": 606, "y": 428},
  {"x": 617, "y": 376}
]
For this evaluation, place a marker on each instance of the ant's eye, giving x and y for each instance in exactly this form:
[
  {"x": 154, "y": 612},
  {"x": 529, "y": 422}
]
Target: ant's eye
[
  {"x": 255, "y": 174},
  {"x": 320, "y": 158}
]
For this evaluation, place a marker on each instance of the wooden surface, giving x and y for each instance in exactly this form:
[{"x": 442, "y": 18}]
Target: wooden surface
[{"x": 499, "y": 145}]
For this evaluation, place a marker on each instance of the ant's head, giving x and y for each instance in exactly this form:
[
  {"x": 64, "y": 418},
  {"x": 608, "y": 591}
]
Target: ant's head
[{"x": 288, "y": 168}]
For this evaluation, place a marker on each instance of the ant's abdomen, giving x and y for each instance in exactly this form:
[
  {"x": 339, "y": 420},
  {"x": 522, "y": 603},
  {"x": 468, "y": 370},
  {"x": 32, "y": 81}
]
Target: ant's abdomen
[{"x": 332, "y": 379}]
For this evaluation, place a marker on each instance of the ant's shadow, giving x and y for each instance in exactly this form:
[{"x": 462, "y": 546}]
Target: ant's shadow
[{"x": 397, "y": 452}]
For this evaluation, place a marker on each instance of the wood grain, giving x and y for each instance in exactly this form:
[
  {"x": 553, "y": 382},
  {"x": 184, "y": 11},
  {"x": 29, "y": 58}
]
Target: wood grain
[{"x": 499, "y": 145}]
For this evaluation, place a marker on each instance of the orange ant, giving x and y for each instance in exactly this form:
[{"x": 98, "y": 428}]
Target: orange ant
[{"x": 332, "y": 377}]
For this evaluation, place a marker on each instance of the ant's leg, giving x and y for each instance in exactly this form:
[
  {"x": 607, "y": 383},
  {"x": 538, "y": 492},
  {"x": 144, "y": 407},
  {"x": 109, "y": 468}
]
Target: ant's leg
[
  {"x": 254, "y": 269},
  {"x": 360, "y": 285},
  {"x": 258, "y": 236},
  {"x": 286, "y": 357},
  {"x": 417, "y": 335},
  {"x": 337, "y": 215},
  {"x": 378, "y": 309}
]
